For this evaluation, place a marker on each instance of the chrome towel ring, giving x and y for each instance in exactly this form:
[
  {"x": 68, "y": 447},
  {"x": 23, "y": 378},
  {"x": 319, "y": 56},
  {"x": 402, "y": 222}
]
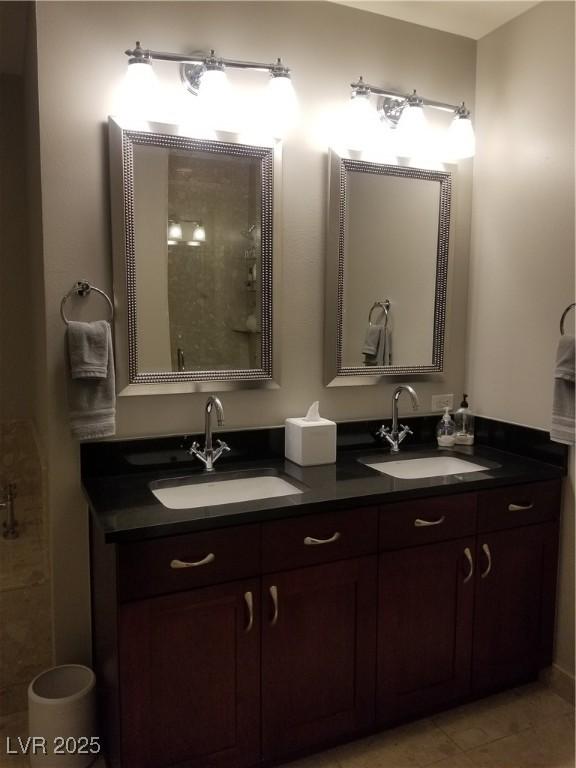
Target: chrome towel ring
[
  {"x": 568, "y": 308},
  {"x": 384, "y": 305},
  {"x": 83, "y": 288}
]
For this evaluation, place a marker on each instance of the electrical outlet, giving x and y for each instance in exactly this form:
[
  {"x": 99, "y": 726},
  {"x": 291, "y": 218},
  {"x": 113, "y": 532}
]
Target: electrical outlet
[{"x": 439, "y": 402}]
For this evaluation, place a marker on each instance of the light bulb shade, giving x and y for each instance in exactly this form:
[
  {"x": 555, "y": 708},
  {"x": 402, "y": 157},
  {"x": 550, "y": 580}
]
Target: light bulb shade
[
  {"x": 461, "y": 139},
  {"x": 140, "y": 92},
  {"x": 361, "y": 122},
  {"x": 214, "y": 97},
  {"x": 411, "y": 131},
  {"x": 282, "y": 105},
  {"x": 174, "y": 231},
  {"x": 199, "y": 234}
]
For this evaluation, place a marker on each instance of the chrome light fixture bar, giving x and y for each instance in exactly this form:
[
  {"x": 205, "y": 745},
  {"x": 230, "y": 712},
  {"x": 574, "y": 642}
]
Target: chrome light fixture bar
[
  {"x": 397, "y": 108},
  {"x": 193, "y": 66},
  {"x": 393, "y": 102}
]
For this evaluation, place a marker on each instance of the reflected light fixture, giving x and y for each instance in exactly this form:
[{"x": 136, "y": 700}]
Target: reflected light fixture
[
  {"x": 204, "y": 75},
  {"x": 405, "y": 115},
  {"x": 174, "y": 232},
  {"x": 198, "y": 234}
]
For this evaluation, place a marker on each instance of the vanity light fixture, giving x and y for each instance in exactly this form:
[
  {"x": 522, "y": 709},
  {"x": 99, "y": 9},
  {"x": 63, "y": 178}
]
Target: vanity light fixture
[
  {"x": 204, "y": 75},
  {"x": 174, "y": 233},
  {"x": 461, "y": 139},
  {"x": 362, "y": 118},
  {"x": 405, "y": 114},
  {"x": 198, "y": 234}
]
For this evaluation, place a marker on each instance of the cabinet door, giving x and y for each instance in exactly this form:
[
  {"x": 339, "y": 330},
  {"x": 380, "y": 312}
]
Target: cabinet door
[
  {"x": 318, "y": 655},
  {"x": 189, "y": 671},
  {"x": 513, "y": 592},
  {"x": 424, "y": 628}
]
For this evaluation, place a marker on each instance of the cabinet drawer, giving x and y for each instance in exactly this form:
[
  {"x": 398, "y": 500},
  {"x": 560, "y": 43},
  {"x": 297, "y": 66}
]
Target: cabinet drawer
[
  {"x": 183, "y": 562},
  {"x": 318, "y": 539},
  {"x": 412, "y": 523},
  {"x": 518, "y": 505}
]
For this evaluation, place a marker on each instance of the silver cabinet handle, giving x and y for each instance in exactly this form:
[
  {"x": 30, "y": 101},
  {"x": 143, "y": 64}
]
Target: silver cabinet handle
[
  {"x": 486, "y": 550},
  {"x": 274, "y": 595},
  {"x": 310, "y": 542},
  {"x": 182, "y": 564},
  {"x": 418, "y": 523},
  {"x": 468, "y": 555},
  {"x": 519, "y": 507},
  {"x": 249, "y": 600}
]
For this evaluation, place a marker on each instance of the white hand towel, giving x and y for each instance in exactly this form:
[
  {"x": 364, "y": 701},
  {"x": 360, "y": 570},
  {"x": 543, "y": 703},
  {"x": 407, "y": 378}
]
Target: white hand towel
[
  {"x": 88, "y": 349},
  {"x": 91, "y": 399},
  {"x": 372, "y": 343},
  {"x": 563, "y": 428}
]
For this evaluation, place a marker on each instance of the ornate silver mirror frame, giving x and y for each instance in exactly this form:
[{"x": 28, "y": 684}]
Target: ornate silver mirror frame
[
  {"x": 131, "y": 380},
  {"x": 337, "y": 373}
]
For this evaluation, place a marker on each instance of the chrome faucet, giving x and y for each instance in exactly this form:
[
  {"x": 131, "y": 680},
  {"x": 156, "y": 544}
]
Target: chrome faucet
[
  {"x": 393, "y": 436},
  {"x": 209, "y": 456}
]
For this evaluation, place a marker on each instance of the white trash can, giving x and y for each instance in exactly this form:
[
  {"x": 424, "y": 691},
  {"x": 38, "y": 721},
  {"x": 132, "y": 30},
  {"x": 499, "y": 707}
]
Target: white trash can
[{"x": 62, "y": 718}]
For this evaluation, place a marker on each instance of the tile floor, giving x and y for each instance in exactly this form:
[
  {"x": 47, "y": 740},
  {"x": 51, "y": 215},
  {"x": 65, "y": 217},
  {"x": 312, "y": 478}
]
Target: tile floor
[{"x": 528, "y": 727}]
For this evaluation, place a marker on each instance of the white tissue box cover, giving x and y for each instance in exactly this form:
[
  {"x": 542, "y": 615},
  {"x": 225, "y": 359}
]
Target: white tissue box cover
[{"x": 310, "y": 442}]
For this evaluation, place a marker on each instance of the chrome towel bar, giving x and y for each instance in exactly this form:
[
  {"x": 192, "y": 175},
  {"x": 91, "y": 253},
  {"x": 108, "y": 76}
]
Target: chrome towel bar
[
  {"x": 568, "y": 308},
  {"x": 83, "y": 288}
]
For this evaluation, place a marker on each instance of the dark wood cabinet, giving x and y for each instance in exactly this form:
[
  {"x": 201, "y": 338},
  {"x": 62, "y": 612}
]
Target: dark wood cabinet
[
  {"x": 510, "y": 602},
  {"x": 258, "y": 643},
  {"x": 318, "y": 655},
  {"x": 190, "y": 678},
  {"x": 426, "y": 601}
]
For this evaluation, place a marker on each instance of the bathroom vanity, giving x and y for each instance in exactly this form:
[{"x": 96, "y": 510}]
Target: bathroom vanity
[{"x": 250, "y": 633}]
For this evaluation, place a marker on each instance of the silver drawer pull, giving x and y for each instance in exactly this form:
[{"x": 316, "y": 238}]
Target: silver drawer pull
[
  {"x": 249, "y": 600},
  {"x": 519, "y": 507},
  {"x": 274, "y": 595},
  {"x": 468, "y": 555},
  {"x": 310, "y": 542},
  {"x": 486, "y": 550},
  {"x": 182, "y": 564},
  {"x": 418, "y": 523}
]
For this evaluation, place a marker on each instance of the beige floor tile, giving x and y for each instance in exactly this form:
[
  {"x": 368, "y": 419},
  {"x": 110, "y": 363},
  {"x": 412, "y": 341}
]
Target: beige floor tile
[
  {"x": 484, "y": 721},
  {"x": 323, "y": 760},
  {"x": 418, "y": 744},
  {"x": 549, "y": 745},
  {"x": 540, "y": 702},
  {"x": 458, "y": 761}
]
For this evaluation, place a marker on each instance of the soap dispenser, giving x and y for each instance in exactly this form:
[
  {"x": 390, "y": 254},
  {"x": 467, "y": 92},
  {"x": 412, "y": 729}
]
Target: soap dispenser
[
  {"x": 446, "y": 430},
  {"x": 464, "y": 422}
]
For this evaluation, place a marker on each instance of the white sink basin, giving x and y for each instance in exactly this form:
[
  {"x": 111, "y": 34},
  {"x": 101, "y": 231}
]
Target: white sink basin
[
  {"x": 435, "y": 466},
  {"x": 190, "y": 493}
]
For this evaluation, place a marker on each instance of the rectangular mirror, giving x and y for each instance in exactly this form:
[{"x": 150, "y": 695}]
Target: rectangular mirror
[
  {"x": 193, "y": 268},
  {"x": 387, "y": 270}
]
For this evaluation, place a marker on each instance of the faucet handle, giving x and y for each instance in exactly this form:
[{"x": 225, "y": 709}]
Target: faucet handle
[
  {"x": 194, "y": 448},
  {"x": 405, "y": 431},
  {"x": 222, "y": 448},
  {"x": 383, "y": 431}
]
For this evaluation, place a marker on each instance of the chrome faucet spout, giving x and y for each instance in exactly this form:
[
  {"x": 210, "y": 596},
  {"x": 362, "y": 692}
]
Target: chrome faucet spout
[
  {"x": 212, "y": 403},
  {"x": 398, "y": 432},
  {"x": 209, "y": 456}
]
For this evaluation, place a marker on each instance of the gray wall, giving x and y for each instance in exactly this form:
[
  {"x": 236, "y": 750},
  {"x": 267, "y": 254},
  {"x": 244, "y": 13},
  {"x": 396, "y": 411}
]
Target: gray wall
[
  {"x": 327, "y": 46},
  {"x": 522, "y": 264}
]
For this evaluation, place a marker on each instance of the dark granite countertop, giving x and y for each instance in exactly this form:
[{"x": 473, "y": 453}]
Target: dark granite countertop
[{"x": 125, "y": 509}]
